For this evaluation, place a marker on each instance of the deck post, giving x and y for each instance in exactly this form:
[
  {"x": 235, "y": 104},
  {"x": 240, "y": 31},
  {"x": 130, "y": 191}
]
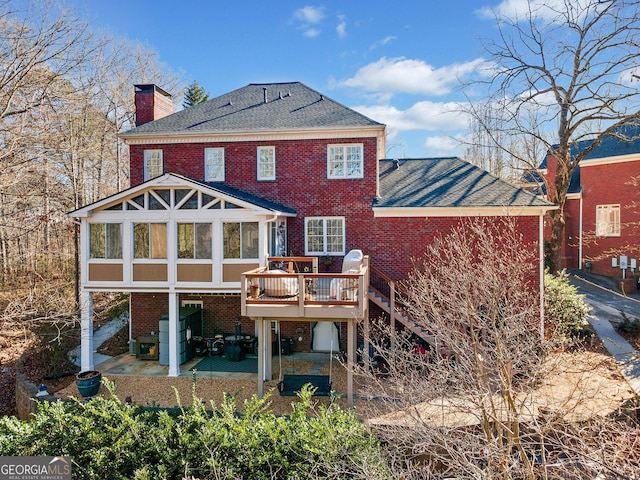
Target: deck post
[
  {"x": 351, "y": 339},
  {"x": 86, "y": 332},
  {"x": 261, "y": 356}
]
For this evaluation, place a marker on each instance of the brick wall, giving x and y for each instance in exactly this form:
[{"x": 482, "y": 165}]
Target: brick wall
[
  {"x": 605, "y": 185},
  {"x": 146, "y": 311}
]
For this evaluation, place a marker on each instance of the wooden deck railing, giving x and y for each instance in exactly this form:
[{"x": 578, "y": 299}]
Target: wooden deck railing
[{"x": 295, "y": 281}]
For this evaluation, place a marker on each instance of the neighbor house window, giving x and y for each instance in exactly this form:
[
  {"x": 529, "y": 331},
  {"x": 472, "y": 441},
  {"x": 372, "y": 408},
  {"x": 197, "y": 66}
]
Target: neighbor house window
[
  {"x": 324, "y": 236},
  {"x": 266, "y": 163},
  {"x": 608, "y": 220},
  {"x": 344, "y": 161},
  {"x": 149, "y": 240},
  {"x": 194, "y": 240},
  {"x": 152, "y": 164},
  {"x": 214, "y": 164},
  {"x": 240, "y": 239},
  {"x": 105, "y": 240}
]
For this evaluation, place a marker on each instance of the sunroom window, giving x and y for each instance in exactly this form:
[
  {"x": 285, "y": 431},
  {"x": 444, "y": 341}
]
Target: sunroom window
[
  {"x": 105, "y": 240},
  {"x": 194, "y": 240},
  {"x": 240, "y": 240},
  {"x": 149, "y": 240}
]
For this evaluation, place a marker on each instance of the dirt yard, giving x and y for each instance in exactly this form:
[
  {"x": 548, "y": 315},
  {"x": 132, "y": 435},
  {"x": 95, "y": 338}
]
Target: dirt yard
[
  {"x": 593, "y": 373},
  {"x": 584, "y": 383}
]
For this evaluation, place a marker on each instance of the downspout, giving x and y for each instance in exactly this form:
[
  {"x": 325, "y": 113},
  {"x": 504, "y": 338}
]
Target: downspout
[{"x": 580, "y": 233}]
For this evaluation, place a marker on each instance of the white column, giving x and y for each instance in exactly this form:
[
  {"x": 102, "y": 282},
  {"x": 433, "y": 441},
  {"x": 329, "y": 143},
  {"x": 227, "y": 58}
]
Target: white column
[
  {"x": 268, "y": 354},
  {"x": 174, "y": 325},
  {"x": 86, "y": 335}
]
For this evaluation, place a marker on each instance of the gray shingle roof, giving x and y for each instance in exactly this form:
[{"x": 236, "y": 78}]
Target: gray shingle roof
[
  {"x": 289, "y": 106},
  {"x": 246, "y": 196},
  {"x": 447, "y": 182}
]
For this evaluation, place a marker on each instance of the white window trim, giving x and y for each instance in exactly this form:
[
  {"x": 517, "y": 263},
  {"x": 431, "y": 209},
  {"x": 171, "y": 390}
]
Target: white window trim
[
  {"x": 148, "y": 155},
  {"x": 324, "y": 227},
  {"x": 344, "y": 147},
  {"x": 604, "y": 227},
  {"x": 219, "y": 156},
  {"x": 258, "y": 163}
]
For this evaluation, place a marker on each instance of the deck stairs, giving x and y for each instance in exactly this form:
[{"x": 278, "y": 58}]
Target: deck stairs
[{"x": 383, "y": 292}]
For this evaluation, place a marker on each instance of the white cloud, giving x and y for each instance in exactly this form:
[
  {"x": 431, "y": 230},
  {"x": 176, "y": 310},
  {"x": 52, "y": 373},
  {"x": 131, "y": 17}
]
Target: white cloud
[
  {"x": 425, "y": 115},
  {"x": 441, "y": 145},
  {"x": 384, "y": 41},
  {"x": 342, "y": 26},
  {"x": 309, "y": 14},
  {"x": 308, "y": 17},
  {"x": 312, "y": 32},
  {"x": 402, "y": 75},
  {"x": 539, "y": 9}
]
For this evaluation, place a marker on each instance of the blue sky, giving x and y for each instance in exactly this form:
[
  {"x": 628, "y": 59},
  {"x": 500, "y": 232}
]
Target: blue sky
[{"x": 397, "y": 62}]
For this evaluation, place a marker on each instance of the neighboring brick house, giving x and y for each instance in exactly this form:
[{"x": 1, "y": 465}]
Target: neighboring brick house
[
  {"x": 603, "y": 207},
  {"x": 269, "y": 170}
]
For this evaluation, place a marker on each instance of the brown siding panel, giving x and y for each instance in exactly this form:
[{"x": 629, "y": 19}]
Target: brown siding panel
[
  {"x": 105, "y": 272},
  {"x": 231, "y": 272},
  {"x": 149, "y": 273},
  {"x": 195, "y": 273}
]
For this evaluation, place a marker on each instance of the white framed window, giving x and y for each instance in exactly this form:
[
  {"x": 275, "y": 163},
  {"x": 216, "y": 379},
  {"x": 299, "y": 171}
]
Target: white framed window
[
  {"x": 266, "y": 163},
  {"x": 149, "y": 240},
  {"x": 105, "y": 240},
  {"x": 345, "y": 161},
  {"x": 324, "y": 236},
  {"x": 240, "y": 240},
  {"x": 608, "y": 220},
  {"x": 214, "y": 164},
  {"x": 152, "y": 164},
  {"x": 194, "y": 240}
]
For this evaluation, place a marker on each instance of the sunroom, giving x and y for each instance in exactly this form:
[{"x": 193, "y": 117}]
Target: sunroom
[{"x": 173, "y": 235}]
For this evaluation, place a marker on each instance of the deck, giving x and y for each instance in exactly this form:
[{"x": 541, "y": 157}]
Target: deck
[{"x": 291, "y": 288}]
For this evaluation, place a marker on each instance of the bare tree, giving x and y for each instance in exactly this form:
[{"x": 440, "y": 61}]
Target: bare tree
[
  {"x": 65, "y": 95},
  {"x": 562, "y": 73},
  {"x": 467, "y": 399}
]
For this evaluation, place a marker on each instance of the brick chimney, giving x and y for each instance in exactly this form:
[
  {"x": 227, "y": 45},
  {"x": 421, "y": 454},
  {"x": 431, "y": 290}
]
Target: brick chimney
[{"x": 152, "y": 103}]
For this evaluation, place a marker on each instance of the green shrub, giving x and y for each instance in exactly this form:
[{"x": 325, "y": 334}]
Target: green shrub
[
  {"x": 566, "y": 311},
  {"x": 628, "y": 325},
  {"x": 107, "y": 439}
]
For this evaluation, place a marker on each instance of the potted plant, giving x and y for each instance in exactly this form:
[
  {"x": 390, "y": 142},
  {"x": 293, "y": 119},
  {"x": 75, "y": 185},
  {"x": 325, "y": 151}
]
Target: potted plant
[
  {"x": 88, "y": 382},
  {"x": 254, "y": 289}
]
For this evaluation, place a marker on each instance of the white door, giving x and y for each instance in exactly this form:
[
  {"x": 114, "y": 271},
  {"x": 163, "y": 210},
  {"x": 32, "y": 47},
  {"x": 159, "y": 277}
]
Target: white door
[{"x": 325, "y": 337}]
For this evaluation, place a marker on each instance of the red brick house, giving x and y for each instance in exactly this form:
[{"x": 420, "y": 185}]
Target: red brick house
[
  {"x": 272, "y": 170},
  {"x": 603, "y": 207}
]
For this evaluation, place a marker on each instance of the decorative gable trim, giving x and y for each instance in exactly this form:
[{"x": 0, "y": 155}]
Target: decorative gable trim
[{"x": 161, "y": 194}]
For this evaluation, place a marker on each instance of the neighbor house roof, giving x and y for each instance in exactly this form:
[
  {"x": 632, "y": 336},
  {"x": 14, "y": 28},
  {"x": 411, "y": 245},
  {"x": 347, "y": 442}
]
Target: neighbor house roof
[
  {"x": 610, "y": 147},
  {"x": 445, "y": 183},
  {"x": 259, "y": 107}
]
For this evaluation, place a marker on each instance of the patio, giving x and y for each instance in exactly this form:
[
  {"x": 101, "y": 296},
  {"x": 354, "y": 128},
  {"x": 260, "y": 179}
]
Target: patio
[{"x": 145, "y": 382}]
